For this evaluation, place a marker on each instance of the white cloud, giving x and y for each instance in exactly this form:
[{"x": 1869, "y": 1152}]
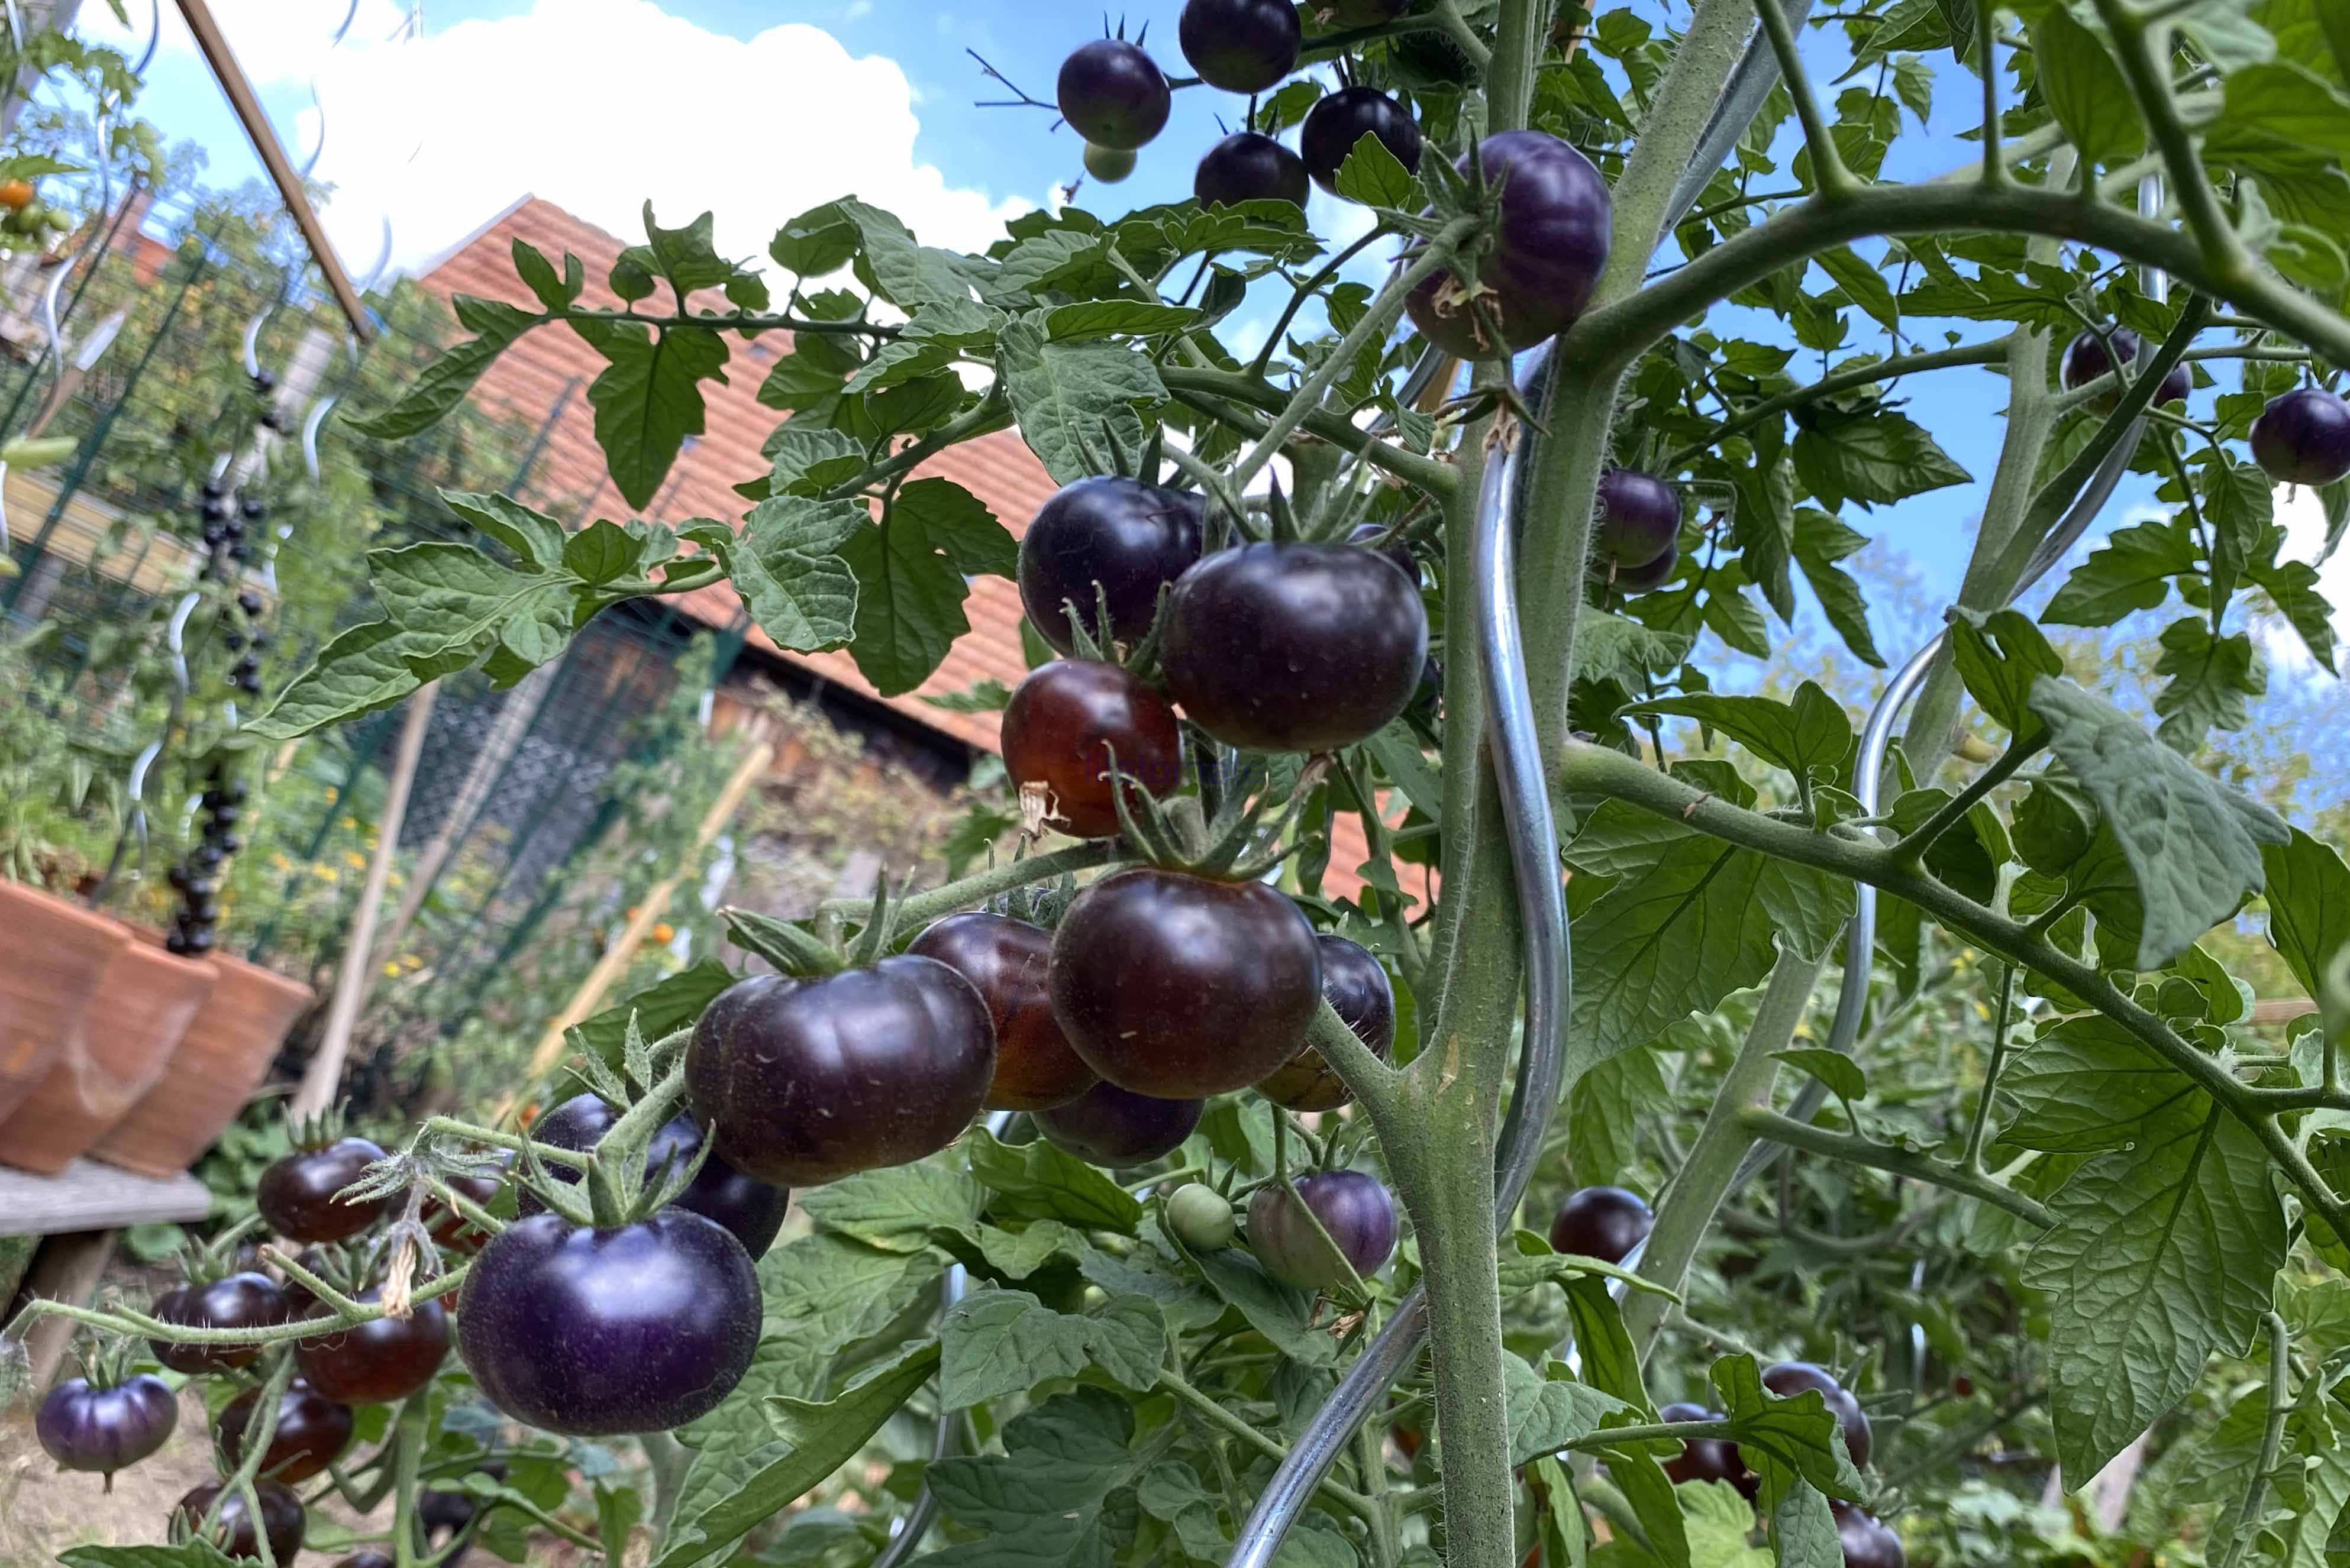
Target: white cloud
[{"x": 593, "y": 105}]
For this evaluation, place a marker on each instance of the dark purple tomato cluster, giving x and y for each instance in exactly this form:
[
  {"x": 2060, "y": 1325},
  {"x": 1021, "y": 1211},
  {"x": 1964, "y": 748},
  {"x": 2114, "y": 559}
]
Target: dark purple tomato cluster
[
  {"x": 1115, "y": 1127},
  {"x": 1867, "y": 1542},
  {"x": 750, "y": 1208},
  {"x": 1790, "y": 1378},
  {"x": 1105, "y": 539},
  {"x": 2302, "y": 436},
  {"x": 1544, "y": 257},
  {"x": 311, "y": 1434},
  {"x": 282, "y": 1521},
  {"x": 1355, "y": 984},
  {"x": 2085, "y": 361},
  {"x": 1601, "y": 1222},
  {"x": 1354, "y": 1209},
  {"x": 1635, "y": 538},
  {"x": 245, "y": 1300},
  {"x": 1009, "y": 962},
  {"x": 381, "y": 1360},
  {"x": 1112, "y": 94}
]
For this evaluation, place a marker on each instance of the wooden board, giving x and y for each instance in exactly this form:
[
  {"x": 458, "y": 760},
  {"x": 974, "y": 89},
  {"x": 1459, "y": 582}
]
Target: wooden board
[{"x": 88, "y": 1196}]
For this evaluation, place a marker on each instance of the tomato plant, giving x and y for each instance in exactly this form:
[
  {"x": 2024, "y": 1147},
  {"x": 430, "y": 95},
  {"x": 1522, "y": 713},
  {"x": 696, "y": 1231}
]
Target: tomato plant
[{"x": 1970, "y": 1010}]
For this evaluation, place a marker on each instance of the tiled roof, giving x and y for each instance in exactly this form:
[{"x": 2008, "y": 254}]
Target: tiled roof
[{"x": 553, "y": 366}]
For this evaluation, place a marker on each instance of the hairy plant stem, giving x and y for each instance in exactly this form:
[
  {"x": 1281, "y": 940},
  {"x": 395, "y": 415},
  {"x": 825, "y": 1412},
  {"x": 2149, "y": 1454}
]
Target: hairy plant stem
[
  {"x": 260, "y": 1431},
  {"x": 1223, "y": 1420},
  {"x": 1686, "y": 1211},
  {"x": 408, "y": 1437},
  {"x": 1608, "y": 773},
  {"x": 1758, "y": 1122},
  {"x": 1215, "y": 394},
  {"x": 1892, "y": 368},
  {"x": 2246, "y": 1515},
  {"x": 919, "y": 909}
]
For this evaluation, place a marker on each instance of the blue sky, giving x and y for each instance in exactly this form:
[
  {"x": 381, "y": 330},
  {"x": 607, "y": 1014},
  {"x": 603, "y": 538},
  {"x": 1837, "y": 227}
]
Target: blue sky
[{"x": 771, "y": 106}]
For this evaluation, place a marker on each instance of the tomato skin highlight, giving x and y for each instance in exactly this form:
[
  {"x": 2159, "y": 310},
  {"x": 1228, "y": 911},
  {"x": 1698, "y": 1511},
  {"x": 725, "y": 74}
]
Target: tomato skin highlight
[
  {"x": 1867, "y": 1542},
  {"x": 1639, "y": 517},
  {"x": 246, "y": 1300},
  {"x": 1129, "y": 537},
  {"x": 1601, "y": 1222},
  {"x": 1354, "y": 1207},
  {"x": 593, "y": 1333},
  {"x": 804, "y": 1082},
  {"x": 1334, "y": 124},
  {"x": 1356, "y": 985},
  {"x": 753, "y": 1209},
  {"x": 1241, "y": 46},
  {"x": 312, "y": 1432},
  {"x": 1008, "y": 962},
  {"x": 86, "y": 1427},
  {"x": 1069, "y": 721},
  {"x": 1112, "y": 94},
  {"x": 1558, "y": 221},
  {"x": 296, "y": 1194},
  {"x": 380, "y": 1361},
  {"x": 2302, "y": 436},
  {"x": 1115, "y": 1128},
  {"x": 1177, "y": 987},
  {"x": 1247, "y": 167},
  {"x": 1293, "y": 646},
  {"x": 281, "y": 1517}
]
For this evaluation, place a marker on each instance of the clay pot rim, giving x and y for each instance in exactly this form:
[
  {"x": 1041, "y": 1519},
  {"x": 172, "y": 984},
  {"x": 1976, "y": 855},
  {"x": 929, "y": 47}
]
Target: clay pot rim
[
  {"x": 222, "y": 964},
  {"x": 68, "y": 909}
]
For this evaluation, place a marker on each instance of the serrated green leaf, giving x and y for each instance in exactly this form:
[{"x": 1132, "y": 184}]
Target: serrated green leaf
[
  {"x": 2192, "y": 843},
  {"x": 538, "y": 275},
  {"x": 2087, "y": 1084},
  {"x": 363, "y": 669},
  {"x": 2308, "y": 906},
  {"x": 536, "y": 538},
  {"x": 1061, "y": 1491},
  {"x": 1872, "y": 458},
  {"x": 1839, "y": 1072},
  {"x": 1998, "y": 656},
  {"x": 1546, "y": 1413},
  {"x": 2084, "y": 89},
  {"x": 1089, "y": 318},
  {"x": 1038, "y": 1181},
  {"x": 602, "y": 552},
  {"x": 1375, "y": 177},
  {"x": 1803, "y": 737},
  {"x": 1072, "y": 398},
  {"x": 1822, "y": 540},
  {"x": 2210, "y": 681},
  {"x": 442, "y": 384},
  {"x": 1273, "y": 1310},
  {"x": 810, "y": 459},
  {"x": 2292, "y": 587},
  {"x": 1786, "y": 1442},
  {"x": 904, "y": 272},
  {"x": 648, "y": 399},
  {"x": 898, "y": 1209},
  {"x": 1862, "y": 284},
  {"x": 999, "y": 1341},
  {"x": 2131, "y": 571},
  {"x": 787, "y": 566},
  {"x": 2162, "y": 1253}
]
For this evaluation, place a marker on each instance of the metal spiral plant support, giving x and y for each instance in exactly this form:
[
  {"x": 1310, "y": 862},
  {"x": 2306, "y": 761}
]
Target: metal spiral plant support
[{"x": 1876, "y": 731}]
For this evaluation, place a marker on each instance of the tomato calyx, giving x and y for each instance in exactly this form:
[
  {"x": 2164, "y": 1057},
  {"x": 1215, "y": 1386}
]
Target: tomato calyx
[
  {"x": 622, "y": 1184},
  {"x": 1220, "y": 832}
]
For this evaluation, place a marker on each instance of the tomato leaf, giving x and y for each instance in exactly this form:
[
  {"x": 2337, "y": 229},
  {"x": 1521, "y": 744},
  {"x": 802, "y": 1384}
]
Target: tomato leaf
[
  {"x": 443, "y": 385},
  {"x": 2084, "y": 89},
  {"x": 1072, "y": 399},
  {"x": 1006, "y": 1342},
  {"x": 2192, "y": 843},
  {"x": 1548, "y": 1411},
  {"x": 1061, "y": 1491},
  {"x": 1038, "y": 1181},
  {"x": 898, "y": 1209},
  {"x": 787, "y": 566},
  {"x": 2163, "y": 1253},
  {"x": 1872, "y": 458},
  {"x": 1805, "y": 737},
  {"x": 649, "y": 397},
  {"x": 2131, "y": 571}
]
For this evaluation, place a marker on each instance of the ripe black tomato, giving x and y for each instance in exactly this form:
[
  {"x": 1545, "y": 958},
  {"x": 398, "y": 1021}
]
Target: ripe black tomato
[
  {"x": 1179, "y": 987},
  {"x": 1293, "y": 646},
  {"x": 804, "y": 1082},
  {"x": 2087, "y": 360},
  {"x": 1129, "y": 537},
  {"x": 1241, "y": 46},
  {"x": 312, "y": 1432},
  {"x": 281, "y": 1517},
  {"x": 1790, "y": 1378},
  {"x": 1867, "y": 1542},
  {"x": 297, "y": 1193},
  {"x": 1389, "y": 542},
  {"x": 87, "y": 1428},
  {"x": 753, "y": 1209},
  {"x": 1556, "y": 222},
  {"x": 245, "y": 1301},
  {"x": 591, "y": 1332},
  {"x": 1111, "y": 1127},
  {"x": 371, "y": 1558},
  {"x": 1334, "y": 124},
  {"x": 1247, "y": 167},
  {"x": 1070, "y": 721},
  {"x": 2302, "y": 436},
  {"x": 377, "y": 1362},
  {"x": 1601, "y": 1222},
  {"x": 1356, "y": 985},
  {"x": 1355, "y": 1209},
  {"x": 1639, "y": 517},
  {"x": 1703, "y": 1458},
  {"x": 1007, "y": 962},
  {"x": 1112, "y": 94}
]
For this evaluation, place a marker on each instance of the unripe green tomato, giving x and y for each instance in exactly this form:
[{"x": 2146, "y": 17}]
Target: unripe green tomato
[
  {"x": 1201, "y": 1216},
  {"x": 1108, "y": 165},
  {"x": 57, "y": 218}
]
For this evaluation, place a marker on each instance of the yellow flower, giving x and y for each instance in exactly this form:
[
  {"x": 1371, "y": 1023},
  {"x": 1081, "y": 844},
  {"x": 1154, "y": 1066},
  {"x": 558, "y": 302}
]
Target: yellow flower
[
  {"x": 354, "y": 860},
  {"x": 392, "y": 969},
  {"x": 409, "y": 960}
]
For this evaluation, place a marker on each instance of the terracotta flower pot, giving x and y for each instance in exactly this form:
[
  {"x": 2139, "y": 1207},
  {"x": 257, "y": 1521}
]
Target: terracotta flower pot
[
  {"x": 221, "y": 1060},
  {"x": 56, "y": 952},
  {"x": 116, "y": 1051}
]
